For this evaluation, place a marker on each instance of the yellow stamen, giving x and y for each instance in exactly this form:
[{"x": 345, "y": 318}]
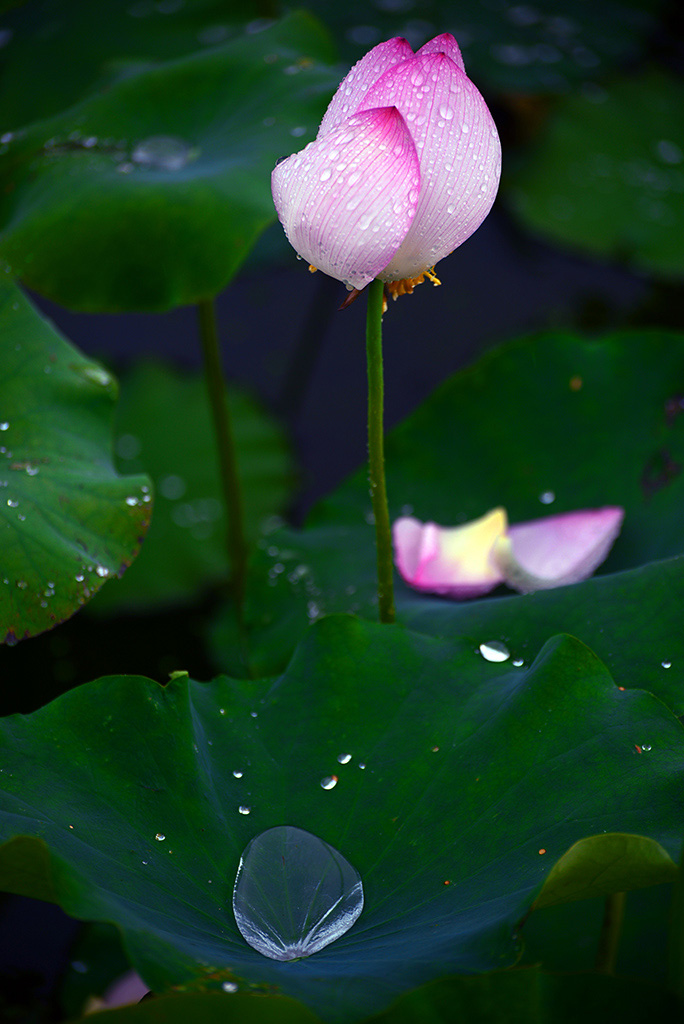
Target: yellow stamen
[
  {"x": 312, "y": 269},
  {"x": 407, "y": 284}
]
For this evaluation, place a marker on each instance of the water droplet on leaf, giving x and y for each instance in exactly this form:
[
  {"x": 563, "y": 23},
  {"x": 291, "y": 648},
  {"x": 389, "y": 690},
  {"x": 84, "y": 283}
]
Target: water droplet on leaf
[
  {"x": 294, "y": 894},
  {"x": 494, "y": 650},
  {"x": 162, "y": 153}
]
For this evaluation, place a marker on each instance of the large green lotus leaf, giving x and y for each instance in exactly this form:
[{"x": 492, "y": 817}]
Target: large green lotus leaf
[
  {"x": 585, "y": 423},
  {"x": 546, "y": 47},
  {"x": 213, "y": 1008},
  {"x": 502, "y": 997},
  {"x": 607, "y": 176},
  {"x": 459, "y": 784},
  {"x": 68, "y": 520},
  {"x": 151, "y": 192},
  {"x": 532, "y": 997},
  {"x": 56, "y": 53},
  {"x": 164, "y": 428}
]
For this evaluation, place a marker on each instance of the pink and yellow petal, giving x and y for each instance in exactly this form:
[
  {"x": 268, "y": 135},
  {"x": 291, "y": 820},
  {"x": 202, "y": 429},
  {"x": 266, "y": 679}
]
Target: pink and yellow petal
[
  {"x": 557, "y": 550},
  {"x": 454, "y": 562},
  {"x": 347, "y": 200},
  {"x": 459, "y": 152}
]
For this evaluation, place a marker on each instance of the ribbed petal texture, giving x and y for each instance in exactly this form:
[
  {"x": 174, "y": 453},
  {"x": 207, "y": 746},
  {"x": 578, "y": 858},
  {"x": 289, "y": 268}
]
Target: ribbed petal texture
[
  {"x": 347, "y": 200},
  {"x": 364, "y": 74},
  {"x": 348, "y": 212},
  {"x": 459, "y": 152}
]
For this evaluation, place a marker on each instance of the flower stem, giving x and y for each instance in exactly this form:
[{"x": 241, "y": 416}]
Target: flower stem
[
  {"x": 611, "y": 928},
  {"x": 230, "y": 482},
  {"x": 376, "y": 451}
]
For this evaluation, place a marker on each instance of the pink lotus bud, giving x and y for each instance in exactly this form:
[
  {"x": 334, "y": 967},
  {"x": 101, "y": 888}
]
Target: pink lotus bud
[
  {"x": 405, "y": 167},
  {"x": 470, "y": 560}
]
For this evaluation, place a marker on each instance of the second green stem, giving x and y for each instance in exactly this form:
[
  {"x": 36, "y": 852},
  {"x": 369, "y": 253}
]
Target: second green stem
[
  {"x": 230, "y": 481},
  {"x": 376, "y": 451}
]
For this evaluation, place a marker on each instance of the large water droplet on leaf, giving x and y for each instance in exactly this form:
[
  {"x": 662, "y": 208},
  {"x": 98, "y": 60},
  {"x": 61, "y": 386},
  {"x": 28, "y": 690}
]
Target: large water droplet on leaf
[
  {"x": 294, "y": 894},
  {"x": 162, "y": 152}
]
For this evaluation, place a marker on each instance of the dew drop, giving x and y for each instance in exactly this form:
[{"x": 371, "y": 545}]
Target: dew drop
[
  {"x": 547, "y": 497},
  {"x": 329, "y": 782},
  {"x": 162, "y": 153},
  {"x": 98, "y": 375},
  {"x": 294, "y": 894},
  {"x": 160, "y": 837},
  {"x": 4, "y": 426},
  {"x": 646, "y": 746},
  {"x": 494, "y": 650},
  {"x": 229, "y": 986},
  {"x": 666, "y": 664},
  {"x": 237, "y": 775},
  {"x": 242, "y": 809},
  {"x": 344, "y": 758}
]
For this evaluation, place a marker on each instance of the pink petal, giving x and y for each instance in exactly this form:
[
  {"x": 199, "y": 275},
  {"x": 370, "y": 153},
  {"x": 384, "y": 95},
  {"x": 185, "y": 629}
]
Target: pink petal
[
  {"x": 444, "y": 44},
  {"x": 348, "y": 199},
  {"x": 451, "y": 561},
  {"x": 459, "y": 152},
  {"x": 358, "y": 81},
  {"x": 558, "y": 550}
]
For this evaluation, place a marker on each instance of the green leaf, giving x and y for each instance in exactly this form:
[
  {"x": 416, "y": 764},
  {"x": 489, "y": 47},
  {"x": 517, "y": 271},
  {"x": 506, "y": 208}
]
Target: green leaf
[
  {"x": 213, "y": 1008},
  {"x": 57, "y": 52},
  {"x": 607, "y": 177},
  {"x": 532, "y": 997},
  {"x": 151, "y": 192},
  {"x": 68, "y": 520},
  {"x": 600, "y": 865},
  {"x": 547, "y": 47},
  {"x": 164, "y": 428},
  {"x": 460, "y": 773},
  {"x": 503, "y": 997},
  {"x": 538, "y": 418}
]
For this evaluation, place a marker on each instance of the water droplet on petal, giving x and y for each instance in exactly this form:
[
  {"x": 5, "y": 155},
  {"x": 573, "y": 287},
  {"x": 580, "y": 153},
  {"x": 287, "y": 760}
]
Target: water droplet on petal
[
  {"x": 494, "y": 650},
  {"x": 294, "y": 894}
]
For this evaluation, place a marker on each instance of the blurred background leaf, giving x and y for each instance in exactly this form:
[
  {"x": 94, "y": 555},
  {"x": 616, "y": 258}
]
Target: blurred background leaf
[
  {"x": 150, "y": 192},
  {"x": 164, "y": 428},
  {"x": 606, "y": 176}
]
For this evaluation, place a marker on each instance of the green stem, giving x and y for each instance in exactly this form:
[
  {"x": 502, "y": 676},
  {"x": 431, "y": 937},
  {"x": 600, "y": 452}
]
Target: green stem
[
  {"x": 611, "y": 928},
  {"x": 376, "y": 451},
  {"x": 230, "y": 482},
  {"x": 675, "y": 946}
]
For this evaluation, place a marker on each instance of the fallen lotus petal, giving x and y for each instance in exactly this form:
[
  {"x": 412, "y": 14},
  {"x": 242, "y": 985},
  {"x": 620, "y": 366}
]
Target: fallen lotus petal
[
  {"x": 470, "y": 560},
  {"x": 390, "y": 194},
  {"x": 453, "y": 561},
  {"x": 557, "y": 550}
]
